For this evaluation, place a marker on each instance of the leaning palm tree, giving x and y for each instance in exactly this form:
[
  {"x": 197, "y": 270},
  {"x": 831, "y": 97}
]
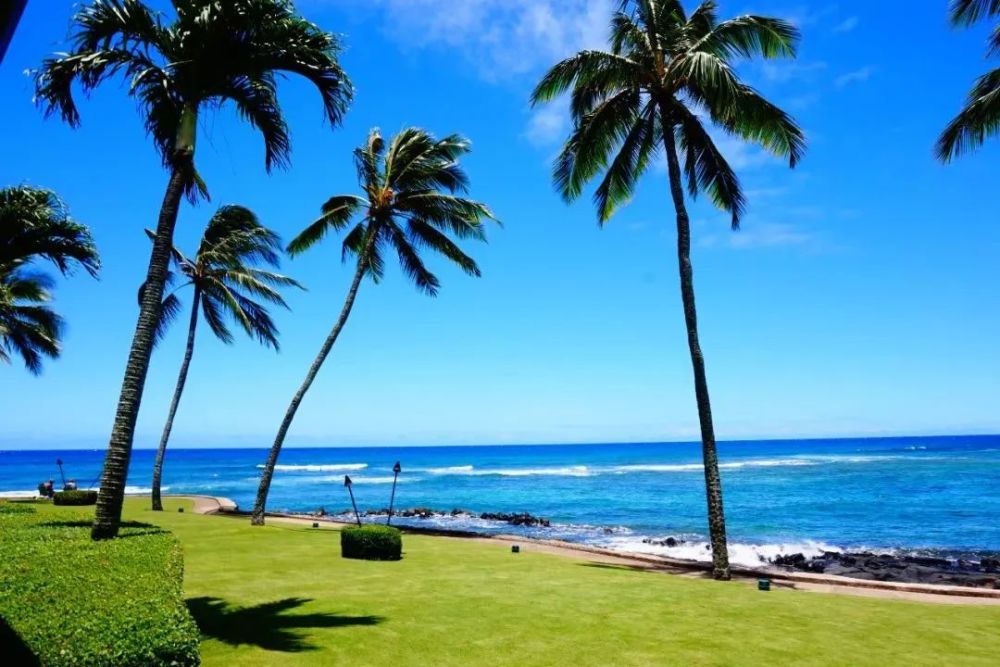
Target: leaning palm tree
[
  {"x": 225, "y": 285},
  {"x": 979, "y": 119},
  {"x": 210, "y": 54},
  {"x": 411, "y": 199},
  {"x": 664, "y": 78},
  {"x": 35, "y": 225}
]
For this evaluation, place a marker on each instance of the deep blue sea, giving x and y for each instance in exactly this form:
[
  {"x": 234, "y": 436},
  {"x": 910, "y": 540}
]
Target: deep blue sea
[{"x": 927, "y": 494}]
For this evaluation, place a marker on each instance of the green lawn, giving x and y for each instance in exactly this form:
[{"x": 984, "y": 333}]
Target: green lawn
[{"x": 283, "y": 596}]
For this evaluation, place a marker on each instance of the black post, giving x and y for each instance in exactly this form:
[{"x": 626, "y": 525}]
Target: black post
[
  {"x": 347, "y": 483},
  {"x": 392, "y": 498},
  {"x": 59, "y": 463}
]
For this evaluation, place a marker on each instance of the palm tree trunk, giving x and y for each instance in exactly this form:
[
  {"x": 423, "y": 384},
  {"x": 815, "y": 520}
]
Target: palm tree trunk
[
  {"x": 257, "y": 517},
  {"x": 710, "y": 458},
  {"x": 108, "y": 513},
  {"x": 178, "y": 390}
]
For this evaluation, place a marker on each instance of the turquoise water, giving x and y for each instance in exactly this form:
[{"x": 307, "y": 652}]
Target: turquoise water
[{"x": 930, "y": 494}]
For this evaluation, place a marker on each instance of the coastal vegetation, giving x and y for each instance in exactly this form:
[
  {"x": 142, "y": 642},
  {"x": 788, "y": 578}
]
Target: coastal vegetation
[
  {"x": 226, "y": 286},
  {"x": 213, "y": 53},
  {"x": 67, "y": 600},
  {"x": 664, "y": 75},
  {"x": 35, "y": 226},
  {"x": 411, "y": 199},
  {"x": 979, "y": 119}
]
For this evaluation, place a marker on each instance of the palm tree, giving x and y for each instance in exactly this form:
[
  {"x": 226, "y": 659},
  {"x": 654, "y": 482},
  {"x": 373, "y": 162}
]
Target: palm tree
[
  {"x": 665, "y": 76},
  {"x": 225, "y": 285},
  {"x": 35, "y": 225},
  {"x": 212, "y": 53},
  {"x": 979, "y": 119},
  {"x": 411, "y": 199}
]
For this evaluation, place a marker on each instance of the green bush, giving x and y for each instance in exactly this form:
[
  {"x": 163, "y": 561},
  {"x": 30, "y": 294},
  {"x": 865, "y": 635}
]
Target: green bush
[
  {"x": 75, "y": 498},
  {"x": 72, "y": 601},
  {"x": 371, "y": 542}
]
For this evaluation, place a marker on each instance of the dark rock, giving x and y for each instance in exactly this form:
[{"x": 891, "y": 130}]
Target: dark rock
[
  {"x": 522, "y": 519},
  {"x": 667, "y": 542},
  {"x": 791, "y": 560},
  {"x": 990, "y": 564}
]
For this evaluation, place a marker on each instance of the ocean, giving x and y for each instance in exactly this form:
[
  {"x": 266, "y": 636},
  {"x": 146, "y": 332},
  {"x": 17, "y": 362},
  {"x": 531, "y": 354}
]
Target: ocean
[{"x": 926, "y": 495}]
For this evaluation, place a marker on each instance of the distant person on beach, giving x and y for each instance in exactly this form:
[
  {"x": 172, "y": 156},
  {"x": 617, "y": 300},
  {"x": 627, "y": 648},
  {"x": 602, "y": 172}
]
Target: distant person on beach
[
  {"x": 70, "y": 485},
  {"x": 49, "y": 488}
]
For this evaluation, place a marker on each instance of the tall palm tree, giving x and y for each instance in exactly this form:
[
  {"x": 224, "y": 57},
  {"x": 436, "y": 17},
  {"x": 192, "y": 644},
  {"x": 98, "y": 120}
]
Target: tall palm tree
[
  {"x": 35, "y": 225},
  {"x": 666, "y": 75},
  {"x": 210, "y": 54},
  {"x": 979, "y": 119},
  {"x": 225, "y": 285},
  {"x": 411, "y": 199}
]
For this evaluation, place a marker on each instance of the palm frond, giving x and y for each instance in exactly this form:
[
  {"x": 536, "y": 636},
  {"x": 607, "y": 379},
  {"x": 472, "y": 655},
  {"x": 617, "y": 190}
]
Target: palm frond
[
  {"x": 336, "y": 214},
  {"x": 967, "y": 12},
  {"x": 629, "y": 164},
  {"x": 35, "y": 223},
  {"x": 749, "y": 36},
  {"x": 413, "y": 267},
  {"x": 707, "y": 168},
  {"x": 428, "y": 236},
  {"x": 978, "y": 120}
]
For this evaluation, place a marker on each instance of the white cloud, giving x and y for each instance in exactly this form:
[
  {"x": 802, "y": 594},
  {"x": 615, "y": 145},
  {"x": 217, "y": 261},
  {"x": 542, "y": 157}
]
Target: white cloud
[
  {"x": 857, "y": 76},
  {"x": 548, "y": 124},
  {"x": 760, "y": 235},
  {"x": 789, "y": 70},
  {"x": 501, "y": 39},
  {"x": 847, "y": 25}
]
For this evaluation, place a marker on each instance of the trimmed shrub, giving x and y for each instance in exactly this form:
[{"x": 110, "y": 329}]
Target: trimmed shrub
[
  {"x": 371, "y": 542},
  {"x": 71, "y": 601},
  {"x": 80, "y": 497}
]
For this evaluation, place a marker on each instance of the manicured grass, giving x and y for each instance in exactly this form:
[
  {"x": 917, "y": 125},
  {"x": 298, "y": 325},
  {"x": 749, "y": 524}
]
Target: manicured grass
[{"x": 282, "y": 595}]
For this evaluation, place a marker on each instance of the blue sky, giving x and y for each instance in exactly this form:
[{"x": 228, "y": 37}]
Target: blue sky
[{"x": 859, "y": 298}]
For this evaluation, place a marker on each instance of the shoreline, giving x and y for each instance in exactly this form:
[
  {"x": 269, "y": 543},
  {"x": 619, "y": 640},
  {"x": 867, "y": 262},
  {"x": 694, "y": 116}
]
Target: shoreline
[{"x": 804, "y": 581}]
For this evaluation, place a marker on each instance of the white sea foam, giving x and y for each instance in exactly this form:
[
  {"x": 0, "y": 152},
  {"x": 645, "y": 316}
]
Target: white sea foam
[
  {"x": 18, "y": 494},
  {"x": 142, "y": 490},
  {"x": 319, "y": 467},
  {"x": 749, "y": 555},
  {"x": 568, "y": 471},
  {"x": 375, "y": 479},
  {"x": 450, "y": 470}
]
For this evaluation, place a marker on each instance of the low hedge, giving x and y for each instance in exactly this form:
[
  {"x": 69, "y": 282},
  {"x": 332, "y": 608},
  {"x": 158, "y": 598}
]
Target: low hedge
[
  {"x": 371, "y": 542},
  {"x": 79, "y": 497},
  {"x": 66, "y": 600}
]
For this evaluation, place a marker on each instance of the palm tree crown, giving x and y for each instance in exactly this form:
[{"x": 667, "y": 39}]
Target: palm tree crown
[
  {"x": 668, "y": 70},
  {"x": 228, "y": 284},
  {"x": 212, "y": 53},
  {"x": 666, "y": 74},
  {"x": 35, "y": 225},
  {"x": 979, "y": 119},
  {"x": 409, "y": 202}
]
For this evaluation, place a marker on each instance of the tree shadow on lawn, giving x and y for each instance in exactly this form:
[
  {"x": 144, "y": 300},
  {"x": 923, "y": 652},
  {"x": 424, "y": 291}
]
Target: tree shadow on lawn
[
  {"x": 128, "y": 528},
  {"x": 265, "y": 625},
  {"x": 651, "y": 567}
]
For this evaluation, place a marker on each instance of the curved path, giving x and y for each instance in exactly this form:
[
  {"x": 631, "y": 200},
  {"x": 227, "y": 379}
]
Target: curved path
[{"x": 793, "y": 580}]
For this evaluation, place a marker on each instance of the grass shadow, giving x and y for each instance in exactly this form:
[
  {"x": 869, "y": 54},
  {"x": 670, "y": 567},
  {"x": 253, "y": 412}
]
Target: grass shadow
[
  {"x": 696, "y": 573},
  {"x": 265, "y": 625},
  {"x": 128, "y": 528},
  {"x": 15, "y": 651}
]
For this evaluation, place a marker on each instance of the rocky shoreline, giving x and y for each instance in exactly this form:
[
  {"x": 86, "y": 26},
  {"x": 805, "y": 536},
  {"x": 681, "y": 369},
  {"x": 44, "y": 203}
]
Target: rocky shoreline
[{"x": 982, "y": 573}]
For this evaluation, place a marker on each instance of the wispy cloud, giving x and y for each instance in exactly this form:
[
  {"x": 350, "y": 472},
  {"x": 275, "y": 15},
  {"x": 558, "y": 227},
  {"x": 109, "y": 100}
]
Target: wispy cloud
[
  {"x": 857, "y": 76},
  {"x": 847, "y": 25},
  {"x": 501, "y": 39},
  {"x": 790, "y": 70},
  {"x": 761, "y": 235},
  {"x": 548, "y": 124}
]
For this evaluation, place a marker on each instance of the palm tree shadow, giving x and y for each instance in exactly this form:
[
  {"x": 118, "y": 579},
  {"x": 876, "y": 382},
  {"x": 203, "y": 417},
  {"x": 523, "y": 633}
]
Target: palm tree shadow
[
  {"x": 128, "y": 528},
  {"x": 265, "y": 625}
]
